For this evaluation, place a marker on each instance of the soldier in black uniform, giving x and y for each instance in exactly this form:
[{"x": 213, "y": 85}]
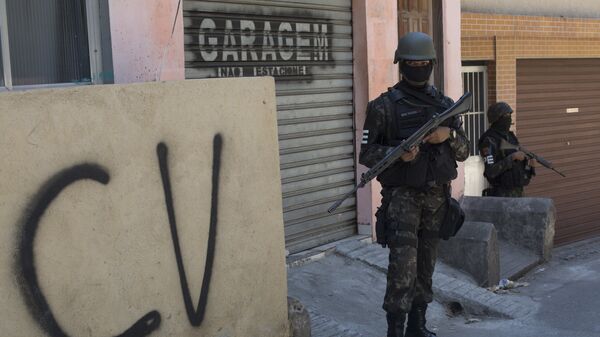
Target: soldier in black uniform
[
  {"x": 415, "y": 189},
  {"x": 507, "y": 170}
]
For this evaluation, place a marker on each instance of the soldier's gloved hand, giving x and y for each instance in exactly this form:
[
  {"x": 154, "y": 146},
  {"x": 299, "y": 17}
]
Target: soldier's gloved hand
[
  {"x": 410, "y": 156},
  {"x": 439, "y": 135},
  {"x": 518, "y": 156},
  {"x": 533, "y": 163}
]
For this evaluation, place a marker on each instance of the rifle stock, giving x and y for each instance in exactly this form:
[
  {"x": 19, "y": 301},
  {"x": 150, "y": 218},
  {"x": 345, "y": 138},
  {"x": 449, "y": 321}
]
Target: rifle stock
[{"x": 461, "y": 106}]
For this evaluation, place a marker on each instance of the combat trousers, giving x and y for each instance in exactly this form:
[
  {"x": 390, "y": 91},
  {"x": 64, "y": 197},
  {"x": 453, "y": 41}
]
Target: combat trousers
[{"x": 413, "y": 219}]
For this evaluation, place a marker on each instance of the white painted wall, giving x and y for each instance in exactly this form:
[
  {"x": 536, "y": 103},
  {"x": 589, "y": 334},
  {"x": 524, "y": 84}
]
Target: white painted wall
[{"x": 474, "y": 180}]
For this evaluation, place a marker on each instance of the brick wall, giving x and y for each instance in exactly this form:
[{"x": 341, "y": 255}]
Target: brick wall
[
  {"x": 503, "y": 39},
  {"x": 492, "y": 82}
]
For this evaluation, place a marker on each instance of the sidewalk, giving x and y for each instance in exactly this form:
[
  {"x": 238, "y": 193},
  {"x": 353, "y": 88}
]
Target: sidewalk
[{"x": 343, "y": 285}]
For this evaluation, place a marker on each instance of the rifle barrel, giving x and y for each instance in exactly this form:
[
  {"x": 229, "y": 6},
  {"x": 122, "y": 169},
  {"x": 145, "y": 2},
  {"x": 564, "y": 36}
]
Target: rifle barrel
[{"x": 346, "y": 196}]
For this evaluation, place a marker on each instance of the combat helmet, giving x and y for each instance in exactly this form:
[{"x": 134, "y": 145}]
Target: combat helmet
[
  {"x": 497, "y": 110},
  {"x": 415, "y": 46}
]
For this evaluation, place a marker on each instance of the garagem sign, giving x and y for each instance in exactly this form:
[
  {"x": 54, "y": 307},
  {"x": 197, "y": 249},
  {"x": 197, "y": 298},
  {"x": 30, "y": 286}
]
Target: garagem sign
[{"x": 257, "y": 47}]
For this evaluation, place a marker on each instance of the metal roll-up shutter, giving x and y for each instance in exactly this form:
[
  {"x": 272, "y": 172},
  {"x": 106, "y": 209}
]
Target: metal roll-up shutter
[
  {"x": 307, "y": 46},
  {"x": 558, "y": 117}
]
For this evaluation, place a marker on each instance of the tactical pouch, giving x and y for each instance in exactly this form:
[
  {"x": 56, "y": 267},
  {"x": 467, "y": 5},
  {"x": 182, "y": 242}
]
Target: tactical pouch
[
  {"x": 453, "y": 219},
  {"x": 380, "y": 215}
]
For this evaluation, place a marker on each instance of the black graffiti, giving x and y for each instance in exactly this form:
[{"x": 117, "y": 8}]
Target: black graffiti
[
  {"x": 25, "y": 259},
  {"x": 195, "y": 316}
]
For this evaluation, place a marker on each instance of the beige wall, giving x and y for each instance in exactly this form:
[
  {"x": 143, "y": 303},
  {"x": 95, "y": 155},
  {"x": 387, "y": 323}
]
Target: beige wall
[{"x": 102, "y": 253}]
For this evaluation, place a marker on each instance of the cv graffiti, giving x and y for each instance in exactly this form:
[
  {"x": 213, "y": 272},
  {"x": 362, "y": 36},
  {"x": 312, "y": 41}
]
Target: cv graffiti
[{"x": 25, "y": 263}]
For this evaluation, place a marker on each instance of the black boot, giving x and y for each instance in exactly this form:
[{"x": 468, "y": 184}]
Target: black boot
[
  {"x": 415, "y": 326},
  {"x": 395, "y": 324}
]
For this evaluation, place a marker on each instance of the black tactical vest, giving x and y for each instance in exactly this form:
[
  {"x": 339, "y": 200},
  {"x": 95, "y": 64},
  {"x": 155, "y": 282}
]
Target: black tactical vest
[
  {"x": 519, "y": 175},
  {"x": 435, "y": 164}
]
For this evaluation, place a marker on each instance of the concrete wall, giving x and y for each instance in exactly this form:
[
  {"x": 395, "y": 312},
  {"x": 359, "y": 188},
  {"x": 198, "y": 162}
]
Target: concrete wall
[
  {"x": 142, "y": 46},
  {"x": 89, "y": 246},
  {"x": 525, "y": 222},
  {"x": 579, "y": 8}
]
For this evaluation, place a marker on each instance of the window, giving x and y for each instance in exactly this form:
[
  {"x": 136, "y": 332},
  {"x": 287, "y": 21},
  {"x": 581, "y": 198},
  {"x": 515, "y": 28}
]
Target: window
[
  {"x": 475, "y": 121},
  {"x": 47, "y": 42}
]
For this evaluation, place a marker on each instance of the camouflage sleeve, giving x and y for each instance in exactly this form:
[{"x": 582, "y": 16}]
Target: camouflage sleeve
[
  {"x": 460, "y": 145},
  {"x": 372, "y": 149},
  {"x": 493, "y": 166}
]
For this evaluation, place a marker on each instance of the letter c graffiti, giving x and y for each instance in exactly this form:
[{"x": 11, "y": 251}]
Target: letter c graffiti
[{"x": 25, "y": 259}]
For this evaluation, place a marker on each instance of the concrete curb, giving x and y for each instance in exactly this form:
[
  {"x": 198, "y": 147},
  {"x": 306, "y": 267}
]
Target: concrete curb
[{"x": 473, "y": 299}]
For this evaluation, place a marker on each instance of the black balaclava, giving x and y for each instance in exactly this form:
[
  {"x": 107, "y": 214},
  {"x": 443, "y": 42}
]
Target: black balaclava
[
  {"x": 417, "y": 76},
  {"x": 503, "y": 124}
]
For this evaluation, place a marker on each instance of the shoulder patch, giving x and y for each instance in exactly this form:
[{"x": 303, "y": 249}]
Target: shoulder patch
[{"x": 487, "y": 155}]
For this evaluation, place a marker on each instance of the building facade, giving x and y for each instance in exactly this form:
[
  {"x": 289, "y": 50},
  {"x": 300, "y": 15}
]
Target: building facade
[
  {"x": 328, "y": 59},
  {"x": 545, "y": 62}
]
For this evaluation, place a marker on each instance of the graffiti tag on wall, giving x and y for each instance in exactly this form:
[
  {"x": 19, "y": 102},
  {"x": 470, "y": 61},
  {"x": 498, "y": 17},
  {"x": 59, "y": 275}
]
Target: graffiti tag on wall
[
  {"x": 236, "y": 47},
  {"x": 25, "y": 266}
]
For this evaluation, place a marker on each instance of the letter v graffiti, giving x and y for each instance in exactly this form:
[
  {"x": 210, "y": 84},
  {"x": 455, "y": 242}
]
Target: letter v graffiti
[{"x": 195, "y": 315}]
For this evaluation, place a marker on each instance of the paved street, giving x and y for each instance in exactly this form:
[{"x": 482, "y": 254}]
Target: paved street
[{"x": 344, "y": 297}]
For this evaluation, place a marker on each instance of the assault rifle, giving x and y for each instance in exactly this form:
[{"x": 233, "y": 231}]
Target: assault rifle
[
  {"x": 504, "y": 145},
  {"x": 461, "y": 106}
]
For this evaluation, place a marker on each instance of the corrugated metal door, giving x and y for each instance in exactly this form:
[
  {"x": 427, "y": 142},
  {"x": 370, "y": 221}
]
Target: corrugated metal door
[
  {"x": 307, "y": 46},
  {"x": 558, "y": 117}
]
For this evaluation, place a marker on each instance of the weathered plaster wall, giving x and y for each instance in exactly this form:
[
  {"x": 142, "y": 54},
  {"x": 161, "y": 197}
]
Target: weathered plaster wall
[
  {"x": 452, "y": 69},
  {"x": 375, "y": 34},
  {"x": 142, "y": 46},
  {"x": 89, "y": 242}
]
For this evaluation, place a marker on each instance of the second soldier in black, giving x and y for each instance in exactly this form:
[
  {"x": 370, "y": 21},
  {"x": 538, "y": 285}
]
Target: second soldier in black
[{"x": 507, "y": 170}]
